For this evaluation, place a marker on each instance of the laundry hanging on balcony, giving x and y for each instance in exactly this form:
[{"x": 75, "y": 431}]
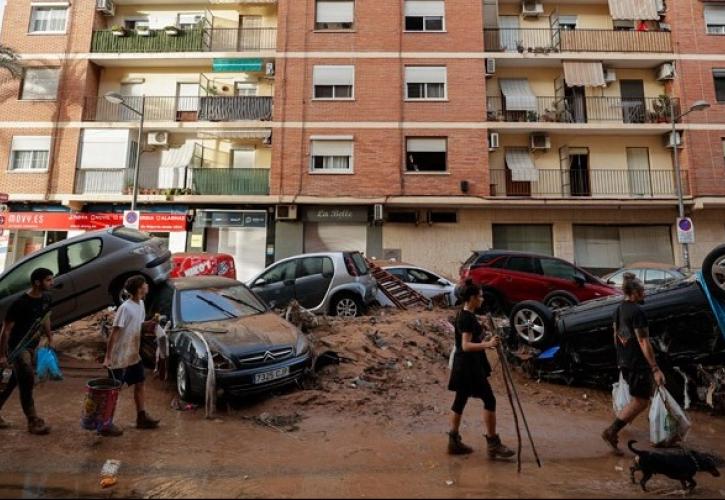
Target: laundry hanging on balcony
[
  {"x": 518, "y": 94},
  {"x": 166, "y": 169},
  {"x": 634, "y": 10},
  {"x": 521, "y": 165},
  {"x": 584, "y": 74}
]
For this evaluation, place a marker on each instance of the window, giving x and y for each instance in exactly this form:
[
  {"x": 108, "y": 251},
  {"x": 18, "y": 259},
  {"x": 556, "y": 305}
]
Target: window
[
  {"x": 331, "y": 155},
  {"x": 19, "y": 278},
  {"x": 245, "y": 89},
  {"x": 521, "y": 265},
  {"x": 334, "y": 14},
  {"x": 136, "y": 23},
  {"x": 657, "y": 277},
  {"x": 422, "y": 277},
  {"x": 719, "y": 76},
  {"x": 333, "y": 82},
  {"x": 558, "y": 269},
  {"x": 715, "y": 19},
  {"x": 30, "y": 153},
  {"x": 282, "y": 272},
  {"x": 311, "y": 266},
  {"x": 567, "y": 23},
  {"x": 48, "y": 19},
  {"x": 533, "y": 238},
  {"x": 399, "y": 273},
  {"x": 425, "y": 82},
  {"x": 402, "y": 217},
  {"x": 40, "y": 84},
  {"x": 436, "y": 217},
  {"x": 425, "y": 154},
  {"x": 190, "y": 21},
  {"x": 83, "y": 252},
  {"x": 243, "y": 158},
  {"x": 424, "y": 15},
  {"x": 623, "y": 25}
]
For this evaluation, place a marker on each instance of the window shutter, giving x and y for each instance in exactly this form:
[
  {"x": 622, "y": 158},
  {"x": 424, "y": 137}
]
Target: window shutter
[
  {"x": 102, "y": 148},
  {"x": 715, "y": 14},
  {"x": 423, "y": 8},
  {"x": 425, "y": 74},
  {"x": 426, "y": 145},
  {"x": 31, "y": 143},
  {"x": 333, "y": 75},
  {"x": 331, "y": 148},
  {"x": 329, "y": 11}
]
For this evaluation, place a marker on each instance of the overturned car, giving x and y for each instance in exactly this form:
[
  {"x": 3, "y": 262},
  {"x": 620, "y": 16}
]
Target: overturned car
[{"x": 687, "y": 329}]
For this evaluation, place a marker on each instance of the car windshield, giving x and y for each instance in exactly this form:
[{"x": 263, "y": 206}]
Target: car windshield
[{"x": 216, "y": 304}]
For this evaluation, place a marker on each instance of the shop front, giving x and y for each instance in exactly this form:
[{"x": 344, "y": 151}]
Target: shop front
[{"x": 328, "y": 229}]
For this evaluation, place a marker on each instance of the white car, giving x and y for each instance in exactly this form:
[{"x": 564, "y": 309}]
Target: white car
[{"x": 421, "y": 280}]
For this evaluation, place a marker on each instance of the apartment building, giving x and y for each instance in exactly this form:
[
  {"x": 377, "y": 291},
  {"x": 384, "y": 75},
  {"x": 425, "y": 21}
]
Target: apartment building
[{"x": 414, "y": 129}]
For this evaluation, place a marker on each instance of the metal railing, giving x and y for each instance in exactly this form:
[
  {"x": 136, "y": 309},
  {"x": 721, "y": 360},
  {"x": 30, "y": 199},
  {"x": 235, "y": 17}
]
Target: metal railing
[
  {"x": 590, "y": 183},
  {"x": 586, "y": 110},
  {"x": 180, "y": 108},
  {"x": 202, "y": 39},
  {"x": 545, "y": 40}
]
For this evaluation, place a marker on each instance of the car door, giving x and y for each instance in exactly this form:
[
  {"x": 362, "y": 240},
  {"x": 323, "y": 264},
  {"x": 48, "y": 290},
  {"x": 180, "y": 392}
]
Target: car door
[
  {"x": 314, "y": 275},
  {"x": 89, "y": 274},
  {"x": 277, "y": 285},
  {"x": 522, "y": 280},
  {"x": 17, "y": 280},
  {"x": 560, "y": 275}
]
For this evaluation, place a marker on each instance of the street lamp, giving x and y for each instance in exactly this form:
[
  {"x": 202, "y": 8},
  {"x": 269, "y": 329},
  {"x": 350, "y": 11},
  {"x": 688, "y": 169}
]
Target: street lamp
[
  {"x": 116, "y": 98},
  {"x": 696, "y": 106}
]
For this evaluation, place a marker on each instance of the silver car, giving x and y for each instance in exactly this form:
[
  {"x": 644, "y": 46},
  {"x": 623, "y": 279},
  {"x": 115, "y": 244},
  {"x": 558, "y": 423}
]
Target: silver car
[
  {"x": 336, "y": 283},
  {"x": 423, "y": 281},
  {"x": 89, "y": 271}
]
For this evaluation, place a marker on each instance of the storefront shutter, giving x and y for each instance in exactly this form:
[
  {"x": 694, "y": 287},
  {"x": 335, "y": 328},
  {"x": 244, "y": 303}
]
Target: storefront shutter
[{"x": 331, "y": 237}]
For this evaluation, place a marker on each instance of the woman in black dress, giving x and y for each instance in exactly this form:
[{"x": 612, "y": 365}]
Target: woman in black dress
[{"x": 469, "y": 375}]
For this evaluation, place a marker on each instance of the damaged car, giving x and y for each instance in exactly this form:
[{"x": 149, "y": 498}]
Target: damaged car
[
  {"x": 252, "y": 348},
  {"x": 686, "y": 323}
]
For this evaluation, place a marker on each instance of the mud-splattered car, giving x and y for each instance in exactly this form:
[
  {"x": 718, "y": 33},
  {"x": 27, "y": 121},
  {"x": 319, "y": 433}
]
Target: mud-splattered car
[{"x": 687, "y": 327}]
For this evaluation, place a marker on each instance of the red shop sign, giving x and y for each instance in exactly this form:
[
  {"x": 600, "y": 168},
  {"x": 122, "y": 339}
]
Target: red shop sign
[{"x": 65, "y": 221}]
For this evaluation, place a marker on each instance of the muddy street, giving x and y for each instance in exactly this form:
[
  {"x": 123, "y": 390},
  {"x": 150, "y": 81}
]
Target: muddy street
[{"x": 373, "y": 426}]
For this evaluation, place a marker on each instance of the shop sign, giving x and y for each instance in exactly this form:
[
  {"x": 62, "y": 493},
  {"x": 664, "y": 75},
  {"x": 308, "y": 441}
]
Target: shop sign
[
  {"x": 213, "y": 218},
  {"x": 65, "y": 221},
  {"x": 336, "y": 214}
]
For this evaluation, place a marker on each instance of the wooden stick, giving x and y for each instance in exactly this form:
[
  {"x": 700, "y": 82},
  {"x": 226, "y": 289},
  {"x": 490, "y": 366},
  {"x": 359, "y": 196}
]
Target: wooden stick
[{"x": 513, "y": 410}]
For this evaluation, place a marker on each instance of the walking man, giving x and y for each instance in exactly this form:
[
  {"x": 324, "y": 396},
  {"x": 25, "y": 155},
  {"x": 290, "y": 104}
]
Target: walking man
[
  {"x": 635, "y": 357},
  {"x": 122, "y": 353},
  {"x": 27, "y": 319}
]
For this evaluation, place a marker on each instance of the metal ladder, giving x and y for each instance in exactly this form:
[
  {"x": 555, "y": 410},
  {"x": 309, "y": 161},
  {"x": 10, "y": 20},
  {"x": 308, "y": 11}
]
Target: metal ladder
[{"x": 395, "y": 289}]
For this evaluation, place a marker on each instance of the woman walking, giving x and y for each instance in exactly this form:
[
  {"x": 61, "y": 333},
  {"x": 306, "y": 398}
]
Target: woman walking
[{"x": 469, "y": 375}]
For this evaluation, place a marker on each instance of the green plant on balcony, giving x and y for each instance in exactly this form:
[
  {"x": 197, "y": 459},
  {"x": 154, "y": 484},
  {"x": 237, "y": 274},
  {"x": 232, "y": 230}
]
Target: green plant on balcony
[
  {"x": 143, "y": 31},
  {"x": 532, "y": 116},
  {"x": 171, "y": 30},
  {"x": 661, "y": 109},
  {"x": 118, "y": 30}
]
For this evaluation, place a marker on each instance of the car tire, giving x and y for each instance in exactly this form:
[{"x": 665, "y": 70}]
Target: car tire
[
  {"x": 713, "y": 271},
  {"x": 347, "y": 305},
  {"x": 533, "y": 323},
  {"x": 560, "y": 300},
  {"x": 183, "y": 383}
]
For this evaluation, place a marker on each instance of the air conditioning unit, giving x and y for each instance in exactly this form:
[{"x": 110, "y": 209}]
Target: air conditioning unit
[
  {"x": 106, "y": 7},
  {"x": 493, "y": 141},
  {"x": 490, "y": 67},
  {"x": 378, "y": 212},
  {"x": 269, "y": 69},
  {"x": 285, "y": 212},
  {"x": 158, "y": 139},
  {"x": 539, "y": 141},
  {"x": 610, "y": 75},
  {"x": 532, "y": 8},
  {"x": 670, "y": 139},
  {"x": 666, "y": 72},
  {"x": 661, "y": 7}
]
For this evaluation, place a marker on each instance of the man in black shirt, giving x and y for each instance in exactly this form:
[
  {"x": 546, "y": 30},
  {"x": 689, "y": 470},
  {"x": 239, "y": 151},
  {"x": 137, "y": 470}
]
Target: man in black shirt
[
  {"x": 27, "y": 318},
  {"x": 635, "y": 357}
]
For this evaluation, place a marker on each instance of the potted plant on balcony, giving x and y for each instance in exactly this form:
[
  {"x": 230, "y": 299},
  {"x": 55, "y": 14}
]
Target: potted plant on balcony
[
  {"x": 171, "y": 30},
  {"x": 118, "y": 30},
  {"x": 532, "y": 116},
  {"x": 661, "y": 109},
  {"x": 143, "y": 31}
]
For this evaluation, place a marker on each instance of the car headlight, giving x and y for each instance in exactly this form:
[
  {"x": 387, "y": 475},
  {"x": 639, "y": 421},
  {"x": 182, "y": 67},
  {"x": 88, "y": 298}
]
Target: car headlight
[
  {"x": 303, "y": 345},
  {"x": 144, "y": 250},
  {"x": 221, "y": 362}
]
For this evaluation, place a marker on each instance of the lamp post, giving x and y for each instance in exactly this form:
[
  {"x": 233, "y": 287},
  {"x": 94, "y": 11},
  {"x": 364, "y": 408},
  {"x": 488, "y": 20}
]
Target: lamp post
[
  {"x": 116, "y": 98},
  {"x": 696, "y": 106}
]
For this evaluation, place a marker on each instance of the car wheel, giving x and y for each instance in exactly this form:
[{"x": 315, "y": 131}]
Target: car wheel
[
  {"x": 183, "y": 382},
  {"x": 713, "y": 271},
  {"x": 559, "y": 300},
  {"x": 533, "y": 322},
  {"x": 347, "y": 305}
]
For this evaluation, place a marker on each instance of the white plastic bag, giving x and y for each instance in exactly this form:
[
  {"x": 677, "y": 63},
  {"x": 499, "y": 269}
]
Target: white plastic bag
[
  {"x": 668, "y": 423},
  {"x": 620, "y": 394}
]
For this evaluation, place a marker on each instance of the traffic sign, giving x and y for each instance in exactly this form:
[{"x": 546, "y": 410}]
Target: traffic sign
[
  {"x": 132, "y": 219},
  {"x": 685, "y": 230}
]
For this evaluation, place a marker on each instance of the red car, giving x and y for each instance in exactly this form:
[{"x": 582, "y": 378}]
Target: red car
[
  {"x": 509, "y": 277},
  {"x": 202, "y": 264}
]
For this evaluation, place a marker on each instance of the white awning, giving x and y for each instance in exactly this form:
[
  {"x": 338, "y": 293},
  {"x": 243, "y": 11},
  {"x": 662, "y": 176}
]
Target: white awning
[
  {"x": 584, "y": 74},
  {"x": 519, "y": 162},
  {"x": 425, "y": 74},
  {"x": 333, "y": 75},
  {"x": 335, "y": 11},
  {"x": 165, "y": 169},
  {"x": 423, "y": 8},
  {"x": 518, "y": 94},
  {"x": 634, "y": 10}
]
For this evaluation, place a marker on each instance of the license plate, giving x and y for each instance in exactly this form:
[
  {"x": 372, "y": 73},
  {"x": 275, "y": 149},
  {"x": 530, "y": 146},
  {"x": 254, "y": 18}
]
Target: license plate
[{"x": 261, "y": 378}]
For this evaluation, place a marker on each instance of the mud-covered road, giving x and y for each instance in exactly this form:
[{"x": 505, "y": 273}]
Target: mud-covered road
[{"x": 372, "y": 427}]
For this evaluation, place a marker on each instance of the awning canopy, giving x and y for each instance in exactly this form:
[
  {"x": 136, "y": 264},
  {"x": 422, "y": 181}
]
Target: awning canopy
[
  {"x": 633, "y": 10},
  {"x": 518, "y": 94},
  {"x": 519, "y": 162},
  {"x": 584, "y": 74}
]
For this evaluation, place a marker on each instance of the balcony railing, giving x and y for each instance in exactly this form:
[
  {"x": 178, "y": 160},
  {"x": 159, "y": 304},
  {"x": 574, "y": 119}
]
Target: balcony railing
[
  {"x": 226, "y": 181},
  {"x": 591, "y": 183},
  {"x": 182, "y": 109},
  {"x": 187, "y": 40},
  {"x": 586, "y": 110},
  {"x": 545, "y": 40}
]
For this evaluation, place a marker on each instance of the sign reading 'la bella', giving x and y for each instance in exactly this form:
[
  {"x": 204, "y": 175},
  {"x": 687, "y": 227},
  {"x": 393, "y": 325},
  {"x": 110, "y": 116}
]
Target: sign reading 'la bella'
[{"x": 332, "y": 214}]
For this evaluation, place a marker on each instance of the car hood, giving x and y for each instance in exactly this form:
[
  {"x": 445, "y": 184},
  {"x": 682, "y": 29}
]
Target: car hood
[{"x": 247, "y": 334}]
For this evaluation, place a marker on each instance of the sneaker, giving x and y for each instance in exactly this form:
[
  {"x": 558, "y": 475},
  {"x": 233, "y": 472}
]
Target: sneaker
[
  {"x": 456, "y": 446},
  {"x": 610, "y": 437},
  {"x": 37, "y": 426},
  {"x": 144, "y": 421},
  {"x": 497, "y": 449},
  {"x": 111, "y": 431}
]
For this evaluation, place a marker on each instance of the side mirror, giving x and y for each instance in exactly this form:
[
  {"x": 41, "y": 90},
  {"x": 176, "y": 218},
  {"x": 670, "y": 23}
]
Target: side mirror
[
  {"x": 580, "y": 280},
  {"x": 610, "y": 282},
  {"x": 443, "y": 282},
  {"x": 260, "y": 282}
]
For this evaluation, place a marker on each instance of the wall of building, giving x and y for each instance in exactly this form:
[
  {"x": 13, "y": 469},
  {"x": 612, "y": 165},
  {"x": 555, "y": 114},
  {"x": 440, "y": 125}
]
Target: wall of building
[{"x": 160, "y": 16}]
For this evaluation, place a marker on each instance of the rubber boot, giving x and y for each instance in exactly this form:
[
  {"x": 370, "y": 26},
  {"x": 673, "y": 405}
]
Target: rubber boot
[
  {"x": 37, "y": 426},
  {"x": 609, "y": 435},
  {"x": 144, "y": 421},
  {"x": 497, "y": 449},
  {"x": 456, "y": 446}
]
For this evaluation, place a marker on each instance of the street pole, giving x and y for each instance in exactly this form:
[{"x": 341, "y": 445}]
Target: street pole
[
  {"x": 137, "y": 165},
  {"x": 678, "y": 179}
]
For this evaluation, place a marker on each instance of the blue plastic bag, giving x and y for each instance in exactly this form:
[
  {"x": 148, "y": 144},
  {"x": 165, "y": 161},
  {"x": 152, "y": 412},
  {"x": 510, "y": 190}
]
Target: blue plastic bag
[{"x": 47, "y": 366}]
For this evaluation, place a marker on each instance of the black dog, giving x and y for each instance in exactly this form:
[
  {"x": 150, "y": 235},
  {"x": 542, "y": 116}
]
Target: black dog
[{"x": 681, "y": 466}]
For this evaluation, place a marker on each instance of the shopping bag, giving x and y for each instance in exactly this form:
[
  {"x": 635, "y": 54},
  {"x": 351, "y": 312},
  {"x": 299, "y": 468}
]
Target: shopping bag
[
  {"x": 47, "y": 366},
  {"x": 620, "y": 394},
  {"x": 668, "y": 422}
]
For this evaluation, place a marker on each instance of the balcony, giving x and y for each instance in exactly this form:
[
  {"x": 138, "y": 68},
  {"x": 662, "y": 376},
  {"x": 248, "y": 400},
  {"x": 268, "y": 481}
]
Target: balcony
[
  {"x": 182, "y": 109},
  {"x": 187, "y": 40},
  {"x": 586, "y": 110},
  {"x": 591, "y": 183},
  {"x": 539, "y": 40}
]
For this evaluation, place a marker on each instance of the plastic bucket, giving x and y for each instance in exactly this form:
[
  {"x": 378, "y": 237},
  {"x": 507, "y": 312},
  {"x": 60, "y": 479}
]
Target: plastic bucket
[{"x": 100, "y": 403}]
